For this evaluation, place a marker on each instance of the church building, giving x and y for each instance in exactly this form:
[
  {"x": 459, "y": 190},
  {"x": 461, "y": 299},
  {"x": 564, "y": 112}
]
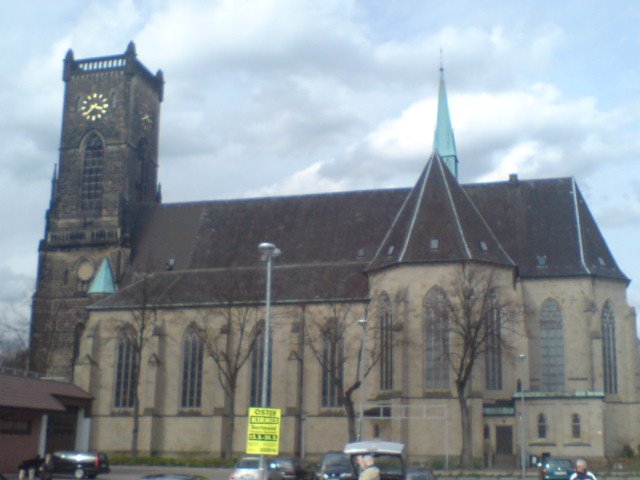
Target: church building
[{"x": 157, "y": 309}]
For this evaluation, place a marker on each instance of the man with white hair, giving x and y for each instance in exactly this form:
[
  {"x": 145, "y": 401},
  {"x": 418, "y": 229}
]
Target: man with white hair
[
  {"x": 581, "y": 472},
  {"x": 369, "y": 470}
]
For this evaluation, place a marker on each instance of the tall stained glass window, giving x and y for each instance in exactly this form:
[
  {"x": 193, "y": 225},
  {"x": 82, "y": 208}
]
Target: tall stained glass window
[
  {"x": 551, "y": 347},
  {"x": 436, "y": 340},
  {"x": 192, "y": 358},
  {"x": 610, "y": 365},
  {"x": 126, "y": 371}
]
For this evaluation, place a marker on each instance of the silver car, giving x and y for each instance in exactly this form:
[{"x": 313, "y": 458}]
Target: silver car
[{"x": 247, "y": 468}]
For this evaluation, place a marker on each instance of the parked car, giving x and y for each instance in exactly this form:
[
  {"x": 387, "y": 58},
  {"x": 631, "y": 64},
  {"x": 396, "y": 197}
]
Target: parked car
[
  {"x": 286, "y": 468},
  {"x": 280, "y": 468},
  {"x": 247, "y": 468},
  {"x": 420, "y": 473},
  {"x": 30, "y": 464},
  {"x": 172, "y": 476},
  {"x": 77, "y": 464},
  {"x": 388, "y": 457},
  {"x": 335, "y": 466},
  {"x": 552, "y": 468}
]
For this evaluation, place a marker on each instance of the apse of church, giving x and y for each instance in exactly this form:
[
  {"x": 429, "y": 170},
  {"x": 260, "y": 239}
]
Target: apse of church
[{"x": 106, "y": 257}]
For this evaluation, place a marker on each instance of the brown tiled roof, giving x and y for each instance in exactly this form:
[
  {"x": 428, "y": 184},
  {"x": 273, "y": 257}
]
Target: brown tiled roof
[
  {"x": 38, "y": 394},
  {"x": 309, "y": 229},
  {"x": 547, "y": 219},
  {"x": 290, "y": 283},
  {"x": 328, "y": 240},
  {"x": 438, "y": 209}
]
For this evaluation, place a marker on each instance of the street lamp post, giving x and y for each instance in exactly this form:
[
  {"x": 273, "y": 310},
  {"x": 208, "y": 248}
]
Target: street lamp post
[
  {"x": 269, "y": 252},
  {"x": 363, "y": 323},
  {"x": 522, "y": 357}
]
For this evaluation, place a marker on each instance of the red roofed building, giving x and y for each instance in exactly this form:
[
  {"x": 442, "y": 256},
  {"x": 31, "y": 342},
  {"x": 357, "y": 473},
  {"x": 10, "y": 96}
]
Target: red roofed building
[{"x": 37, "y": 416}]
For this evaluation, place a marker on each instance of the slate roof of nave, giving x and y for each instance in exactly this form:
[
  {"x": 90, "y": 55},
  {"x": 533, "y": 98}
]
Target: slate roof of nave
[{"x": 329, "y": 240}]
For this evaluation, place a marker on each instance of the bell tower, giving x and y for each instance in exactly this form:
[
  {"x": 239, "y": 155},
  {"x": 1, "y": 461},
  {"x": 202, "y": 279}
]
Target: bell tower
[{"x": 108, "y": 167}]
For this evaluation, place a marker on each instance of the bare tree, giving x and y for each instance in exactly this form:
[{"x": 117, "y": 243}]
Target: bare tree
[
  {"x": 229, "y": 335},
  {"x": 14, "y": 348},
  {"x": 14, "y": 339},
  {"x": 52, "y": 335},
  {"x": 475, "y": 316},
  {"x": 333, "y": 334},
  {"x": 142, "y": 297}
]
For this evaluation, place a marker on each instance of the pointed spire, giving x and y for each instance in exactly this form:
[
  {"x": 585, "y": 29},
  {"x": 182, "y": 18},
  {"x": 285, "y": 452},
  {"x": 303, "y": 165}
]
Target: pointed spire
[
  {"x": 54, "y": 186},
  {"x": 103, "y": 283},
  {"x": 131, "y": 49},
  {"x": 443, "y": 140},
  {"x": 68, "y": 65}
]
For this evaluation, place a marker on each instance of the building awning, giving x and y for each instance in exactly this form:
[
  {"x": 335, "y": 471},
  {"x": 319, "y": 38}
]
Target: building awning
[{"x": 39, "y": 394}]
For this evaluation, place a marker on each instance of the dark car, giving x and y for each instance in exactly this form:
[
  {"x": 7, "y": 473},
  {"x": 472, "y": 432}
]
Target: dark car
[
  {"x": 420, "y": 473},
  {"x": 285, "y": 468},
  {"x": 81, "y": 464},
  {"x": 31, "y": 464},
  {"x": 334, "y": 466},
  {"x": 77, "y": 464},
  {"x": 172, "y": 476},
  {"x": 555, "y": 469}
]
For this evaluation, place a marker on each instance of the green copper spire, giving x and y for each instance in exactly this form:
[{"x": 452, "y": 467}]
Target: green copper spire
[
  {"x": 443, "y": 141},
  {"x": 104, "y": 283}
]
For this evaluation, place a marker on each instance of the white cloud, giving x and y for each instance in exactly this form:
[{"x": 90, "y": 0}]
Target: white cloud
[{"x": 297, "y": 96}]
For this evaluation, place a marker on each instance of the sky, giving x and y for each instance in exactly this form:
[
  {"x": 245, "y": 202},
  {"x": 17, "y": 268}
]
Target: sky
[{"x": 278, "y": 97}]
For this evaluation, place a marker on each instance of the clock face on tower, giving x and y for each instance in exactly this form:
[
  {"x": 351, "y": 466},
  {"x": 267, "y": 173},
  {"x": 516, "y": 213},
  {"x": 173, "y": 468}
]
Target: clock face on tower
[
  {"x": 146, "y": 118},
  {"x": 94, "y": 106}
]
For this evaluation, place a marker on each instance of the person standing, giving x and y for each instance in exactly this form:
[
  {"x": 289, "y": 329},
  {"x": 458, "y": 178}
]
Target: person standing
[
  {"x": 46, "y": 469},
  {"x": 369, "y": 470},
  {"x": 581, "y": 472}
]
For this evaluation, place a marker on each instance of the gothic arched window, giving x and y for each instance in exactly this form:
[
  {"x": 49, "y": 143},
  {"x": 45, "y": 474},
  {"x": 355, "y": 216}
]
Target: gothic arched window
[
  {"x": 493, "y": 349},
  {"x": 126, "y": 371},
  {"x": 142, "y": 182},
  {"x": 77, "y": 337},
  {"x": 256, "y": 371},
  {"x": 436, "y": 322},
  {"x": 92, "y": 166},
  {"x": 386, "y": 344},
  {"x": 575, "y": 425},
  {"x": 542, "y": 426},
  {"x": 192, "y": 356},
  {"x": 610, "y": 366},
  {"x": 551, "y": 347},
  {"x": 332, "y": 370}
]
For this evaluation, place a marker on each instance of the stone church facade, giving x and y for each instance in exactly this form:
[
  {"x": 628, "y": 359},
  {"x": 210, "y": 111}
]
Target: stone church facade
[{"x": 171, "y": 297}]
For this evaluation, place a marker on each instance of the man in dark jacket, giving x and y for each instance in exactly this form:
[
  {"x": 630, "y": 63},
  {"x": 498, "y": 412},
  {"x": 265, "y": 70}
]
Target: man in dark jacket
[{"x": 46, "y": 469}]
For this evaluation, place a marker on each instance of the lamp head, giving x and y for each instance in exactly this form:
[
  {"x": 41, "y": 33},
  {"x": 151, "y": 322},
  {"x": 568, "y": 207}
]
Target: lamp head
[
  {"x": 362, "y": 322},
  {"x": 269, "y": 250}
]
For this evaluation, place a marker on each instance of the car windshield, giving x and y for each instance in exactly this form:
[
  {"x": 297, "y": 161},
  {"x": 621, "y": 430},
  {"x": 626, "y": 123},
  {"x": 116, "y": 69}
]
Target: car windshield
[
  {"x": 284, "y": 463},
  {"x": 336, "y": 460},
  {"x": 248, "y": 463},
  {"x": 558, "y": 463},
  {"x": 389, "y": 464}
]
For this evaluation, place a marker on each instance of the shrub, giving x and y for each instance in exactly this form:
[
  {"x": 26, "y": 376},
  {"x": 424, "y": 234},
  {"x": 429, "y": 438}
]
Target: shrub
[{"x": 627, "y": 452}]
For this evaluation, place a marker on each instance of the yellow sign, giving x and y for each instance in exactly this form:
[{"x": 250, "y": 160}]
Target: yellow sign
[{"x": 263, "y": 431}]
